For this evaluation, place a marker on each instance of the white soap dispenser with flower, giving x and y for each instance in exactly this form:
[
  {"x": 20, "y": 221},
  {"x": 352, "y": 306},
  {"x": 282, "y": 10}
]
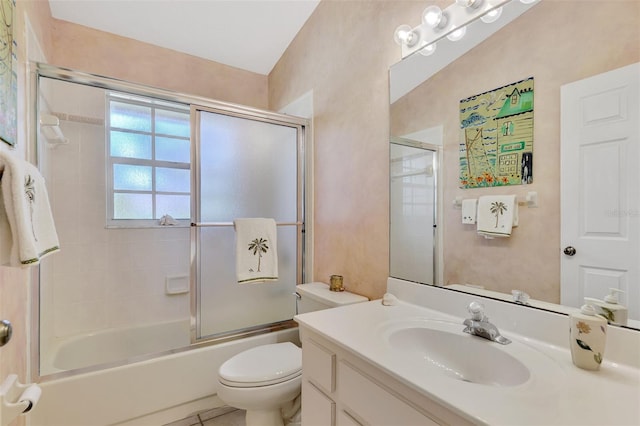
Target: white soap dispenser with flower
[
  {"x": 609, "y": 308},
  {"x": 588, "y": 337}
]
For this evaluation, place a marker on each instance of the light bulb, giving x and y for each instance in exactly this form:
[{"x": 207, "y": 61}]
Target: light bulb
[
  {"x": 457, "y": 34},
  {"x": 404, "y": 34},
  {"x": 492, "y": 16},
  {"x": 434, "y": 17},
  {"x": 469, "y": 3},
  {"x": 428, "y": 49}
]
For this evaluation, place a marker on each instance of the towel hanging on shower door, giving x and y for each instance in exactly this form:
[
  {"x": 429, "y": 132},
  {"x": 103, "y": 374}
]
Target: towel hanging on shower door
[{"x": 256, "y": 250}]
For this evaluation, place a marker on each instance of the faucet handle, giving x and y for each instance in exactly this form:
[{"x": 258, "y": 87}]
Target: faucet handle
[{"x": 476, "y": 309}]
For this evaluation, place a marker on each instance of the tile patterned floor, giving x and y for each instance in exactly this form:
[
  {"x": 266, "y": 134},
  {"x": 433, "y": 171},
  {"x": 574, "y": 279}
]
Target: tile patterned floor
[{"x": 223, "y": 416}]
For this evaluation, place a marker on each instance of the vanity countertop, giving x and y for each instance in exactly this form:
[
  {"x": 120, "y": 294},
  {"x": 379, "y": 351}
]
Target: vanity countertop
[{"x": 557, "y": 392}]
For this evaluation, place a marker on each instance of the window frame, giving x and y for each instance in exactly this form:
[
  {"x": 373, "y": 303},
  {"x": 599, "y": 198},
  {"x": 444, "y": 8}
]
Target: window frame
[{"x": 154, "y": 105}]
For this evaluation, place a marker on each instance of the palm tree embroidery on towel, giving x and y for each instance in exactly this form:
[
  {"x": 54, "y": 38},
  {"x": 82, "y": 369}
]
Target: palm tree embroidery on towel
[
  {"x": 497, "y": 209},
  {"x": 30, "y": 192},
  {"x": 258, "y": 246}
]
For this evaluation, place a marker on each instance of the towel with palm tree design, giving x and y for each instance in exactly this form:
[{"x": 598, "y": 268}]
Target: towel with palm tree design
[
  {"x": 256, "y": 250},
  {"x": 497, "y": 215},
  {"x": 27, "y": 229}
]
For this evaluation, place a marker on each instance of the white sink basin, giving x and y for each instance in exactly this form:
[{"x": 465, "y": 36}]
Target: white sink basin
[{"x": 441, "y": 346}]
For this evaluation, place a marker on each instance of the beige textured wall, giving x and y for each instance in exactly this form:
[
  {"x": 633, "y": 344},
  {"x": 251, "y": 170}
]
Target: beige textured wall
[
  {"x": 343, "y": 54},
  {"x": 556, "y": 42},
  {"x": 85, "y": 49}
]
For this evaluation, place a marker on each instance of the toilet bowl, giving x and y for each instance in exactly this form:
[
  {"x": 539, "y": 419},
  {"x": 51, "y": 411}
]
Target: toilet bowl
[
  {"x": 262, "y": 380},
  {"x": 266, "y": 380}
]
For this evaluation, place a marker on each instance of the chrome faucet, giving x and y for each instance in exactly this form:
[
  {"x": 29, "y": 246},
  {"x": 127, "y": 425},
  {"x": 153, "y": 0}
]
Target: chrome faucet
[{"x": 479, "y": 325}]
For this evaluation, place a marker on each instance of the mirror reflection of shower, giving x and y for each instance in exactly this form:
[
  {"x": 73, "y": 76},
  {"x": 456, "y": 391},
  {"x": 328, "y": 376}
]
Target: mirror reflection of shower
[{"x": 413, "y": 195}]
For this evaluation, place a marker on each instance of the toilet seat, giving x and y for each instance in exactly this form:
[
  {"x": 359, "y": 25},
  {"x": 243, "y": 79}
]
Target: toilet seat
[{"x": 262, "y": 366}]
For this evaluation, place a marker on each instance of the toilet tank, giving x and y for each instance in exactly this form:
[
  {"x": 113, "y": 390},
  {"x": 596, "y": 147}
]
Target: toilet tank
[{"x": 316, "y": 296}]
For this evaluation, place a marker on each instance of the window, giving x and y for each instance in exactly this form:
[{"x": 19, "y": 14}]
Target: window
[{"x": 148, "y": 160}]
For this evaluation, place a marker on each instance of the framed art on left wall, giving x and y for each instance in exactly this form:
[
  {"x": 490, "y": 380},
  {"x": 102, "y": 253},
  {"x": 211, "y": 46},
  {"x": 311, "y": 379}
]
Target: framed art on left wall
[{"x": 8, "y": 74}]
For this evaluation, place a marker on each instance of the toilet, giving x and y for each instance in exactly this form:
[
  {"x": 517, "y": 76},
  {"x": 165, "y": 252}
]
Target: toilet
[{"x": 266, "y": 380}]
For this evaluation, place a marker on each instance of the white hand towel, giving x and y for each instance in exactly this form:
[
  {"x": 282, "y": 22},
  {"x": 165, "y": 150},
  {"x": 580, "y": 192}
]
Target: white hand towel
[
  {"x": 496, "y": 215},
  {"x": 256, "y": 250},
  {"x": 27, "y": 209},
  {"x": 6, "y": 241},
  {"x": 469, "y": 211}
]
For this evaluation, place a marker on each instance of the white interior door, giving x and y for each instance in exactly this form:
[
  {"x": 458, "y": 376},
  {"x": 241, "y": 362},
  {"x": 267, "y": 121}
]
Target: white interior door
[{"x": 600, "y": 188}]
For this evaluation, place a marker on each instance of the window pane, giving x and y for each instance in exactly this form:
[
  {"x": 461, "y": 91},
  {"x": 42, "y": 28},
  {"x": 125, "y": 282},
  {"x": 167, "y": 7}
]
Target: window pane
[
  {"x": 133, "y": 178},
  {"x": 133, "y": 117},
  {"x": 172, "y": 123},
  {"x": 169, "y": 149},
  {"x": 178, "y": 206},
  {"x": 132, "y": 206},
  {"x": 130, "y": 145},
  {"x": 172, "y": 180}
]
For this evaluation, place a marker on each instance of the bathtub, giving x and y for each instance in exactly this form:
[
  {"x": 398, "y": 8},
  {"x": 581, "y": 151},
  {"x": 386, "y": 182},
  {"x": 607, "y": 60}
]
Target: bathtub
[
  {"x": 153, "y": 391},
  {"x": 113, "y": 345}
]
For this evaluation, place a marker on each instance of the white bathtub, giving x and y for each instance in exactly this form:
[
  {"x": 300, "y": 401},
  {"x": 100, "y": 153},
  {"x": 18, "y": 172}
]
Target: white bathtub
[
  {"x": 150, "y": 392},
  {"x": 118, "y": 344}
]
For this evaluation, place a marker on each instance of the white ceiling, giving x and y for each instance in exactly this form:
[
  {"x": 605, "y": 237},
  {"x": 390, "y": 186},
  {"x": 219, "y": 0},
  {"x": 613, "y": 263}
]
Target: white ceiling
[{"x": 247, "y": 34}]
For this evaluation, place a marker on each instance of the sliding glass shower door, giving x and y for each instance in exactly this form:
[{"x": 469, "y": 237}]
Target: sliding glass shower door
[
  {"x": 144, "y": 187},
  {"x": 246, "y": 166}
]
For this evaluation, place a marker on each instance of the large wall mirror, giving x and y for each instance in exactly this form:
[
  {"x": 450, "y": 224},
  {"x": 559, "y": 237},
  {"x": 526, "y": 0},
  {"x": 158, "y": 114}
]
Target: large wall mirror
[{"x": 558, "y": 44}]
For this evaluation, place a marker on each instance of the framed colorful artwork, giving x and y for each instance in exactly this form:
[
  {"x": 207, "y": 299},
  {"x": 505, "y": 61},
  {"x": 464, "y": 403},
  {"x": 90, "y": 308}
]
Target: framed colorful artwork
[
  {"x": 8, "y": 74},
  {"x": 496, "y": 146}
]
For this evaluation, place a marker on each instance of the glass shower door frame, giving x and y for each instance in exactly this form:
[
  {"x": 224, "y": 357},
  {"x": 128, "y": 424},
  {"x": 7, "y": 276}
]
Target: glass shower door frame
[
  {"x": 197, "y": 224},
  {"x": 436, "y": 242},
  {"x": 304, "y": 188}
]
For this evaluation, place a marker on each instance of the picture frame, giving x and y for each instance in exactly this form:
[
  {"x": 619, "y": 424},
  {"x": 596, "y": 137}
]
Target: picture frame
[{"x": 496, "y": 137}]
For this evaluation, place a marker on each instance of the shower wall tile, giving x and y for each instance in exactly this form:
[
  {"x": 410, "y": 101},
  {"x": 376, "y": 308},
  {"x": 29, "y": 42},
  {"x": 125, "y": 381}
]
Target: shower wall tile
[
  {"x": 79, "y": 318},
  {"x": 174, "y": 233},
  {"x": 118, "y": 282},
  {"x": 121, "y": 270},
  {"x": 77, "y": 288},
  {"x": 120, "y": 256},
  {"x": 68, "y": 232}
]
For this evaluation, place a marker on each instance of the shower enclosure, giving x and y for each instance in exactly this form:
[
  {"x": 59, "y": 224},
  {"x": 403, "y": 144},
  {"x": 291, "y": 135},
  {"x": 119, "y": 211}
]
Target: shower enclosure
[
  {"x": 412, "y": 200},
  {"x": 144, "y": 186}
]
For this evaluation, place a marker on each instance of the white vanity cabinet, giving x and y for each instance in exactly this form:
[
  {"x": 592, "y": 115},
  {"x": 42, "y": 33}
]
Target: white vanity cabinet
[{"x": 342, "y": 389}]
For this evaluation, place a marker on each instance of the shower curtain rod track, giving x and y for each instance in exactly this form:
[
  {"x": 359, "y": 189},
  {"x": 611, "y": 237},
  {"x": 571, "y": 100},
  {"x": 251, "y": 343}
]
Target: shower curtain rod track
[{"x": 207, "y": 224}]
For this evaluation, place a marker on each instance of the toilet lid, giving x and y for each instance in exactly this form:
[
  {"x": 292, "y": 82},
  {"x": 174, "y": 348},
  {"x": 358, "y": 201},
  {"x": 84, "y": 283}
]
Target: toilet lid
[{"x": 262, "y": 365}]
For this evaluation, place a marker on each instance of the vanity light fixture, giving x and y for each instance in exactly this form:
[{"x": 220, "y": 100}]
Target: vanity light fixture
[
  {"x": 405, "y": 35},
  {"x": 434, "y": 17},
  {"x": 492, "y": 16},
  {"x": 428, "y": 50},
  {"x": 469, "y": 3},
  {"x": 457, "y": 34},
  {"x": 453, "y": 22}
]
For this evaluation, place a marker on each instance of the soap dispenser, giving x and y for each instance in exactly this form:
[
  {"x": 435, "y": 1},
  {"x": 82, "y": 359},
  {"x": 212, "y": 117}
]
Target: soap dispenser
[
  {"x": 610, "y": 308},
  {"x": 588, "y": 337}
]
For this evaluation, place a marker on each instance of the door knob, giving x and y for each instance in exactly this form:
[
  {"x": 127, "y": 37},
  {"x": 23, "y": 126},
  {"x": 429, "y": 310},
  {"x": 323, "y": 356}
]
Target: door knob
[
  {"x": 569, "y": 251},
  {"x": 5, "y": 332}
]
